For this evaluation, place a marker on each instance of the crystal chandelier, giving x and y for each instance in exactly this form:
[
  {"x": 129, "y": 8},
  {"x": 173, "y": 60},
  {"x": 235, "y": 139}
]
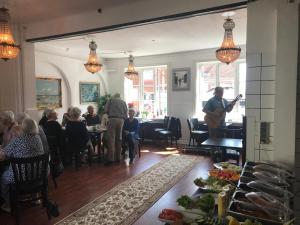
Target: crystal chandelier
[
  {"x": 93, "y": 65},
  {"x": 228, "y": 51},
  {"x": 131, "y": 73},
  {"x": 8, "y": 48}
]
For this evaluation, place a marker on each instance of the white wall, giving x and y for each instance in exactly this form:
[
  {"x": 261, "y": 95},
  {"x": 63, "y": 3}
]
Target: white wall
[
  {"x": 71, "y": 71},
  {"x": 181, "y": 104},
  {"x": 123, "y": 12},
  {"x": 272, "y": 52}
]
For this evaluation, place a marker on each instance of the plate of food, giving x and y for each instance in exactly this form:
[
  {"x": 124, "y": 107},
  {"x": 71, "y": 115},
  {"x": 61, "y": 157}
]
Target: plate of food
[
  {"x": 225, "y": 174},
  {"x": 204, "y": 204},
  {"x": 227, "y": 165},
  {"x": 211, "y": 184},
  {"x": 170, "y": 216}
]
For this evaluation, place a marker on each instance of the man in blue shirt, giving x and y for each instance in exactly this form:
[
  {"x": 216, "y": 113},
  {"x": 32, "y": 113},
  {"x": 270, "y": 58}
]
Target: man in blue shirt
[{"x": 217, "y": 103}]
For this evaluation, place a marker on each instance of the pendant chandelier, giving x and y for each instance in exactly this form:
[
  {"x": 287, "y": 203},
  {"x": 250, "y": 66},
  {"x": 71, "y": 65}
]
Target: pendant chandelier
[
  {"x": 228, "y": 52},
  {"x": 131, "y": 72},
  {"x": 93, "y": 65},
  {"x": 8, "y": 47}
]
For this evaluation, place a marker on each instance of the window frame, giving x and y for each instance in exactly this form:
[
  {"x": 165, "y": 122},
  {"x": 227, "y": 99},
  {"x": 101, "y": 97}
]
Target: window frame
[
  {"x": 198, "y": 104},
  {"x": 157, "y": 94}
]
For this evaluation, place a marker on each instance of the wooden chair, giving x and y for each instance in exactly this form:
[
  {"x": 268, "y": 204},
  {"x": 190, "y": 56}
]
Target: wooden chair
[
  {"x": 172, "y": 133},
  {"x": 197, "y": 135},
  {"x": 77, "y": 152},
  {"x": 54, "y": 155},
  {"x": 165, "y": 125},
  {"x": 30, "y": 175}
]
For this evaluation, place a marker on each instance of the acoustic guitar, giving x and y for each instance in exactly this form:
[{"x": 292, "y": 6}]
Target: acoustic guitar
[{"x": 215, "y": 121}]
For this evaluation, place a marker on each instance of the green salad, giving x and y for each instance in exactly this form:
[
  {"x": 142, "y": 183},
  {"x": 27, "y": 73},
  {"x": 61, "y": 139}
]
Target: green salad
[
  {"x": 205, "y": 202},
  {"x": 211, "y": 184}
]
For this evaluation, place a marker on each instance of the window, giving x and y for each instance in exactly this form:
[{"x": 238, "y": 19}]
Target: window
[
  {"x": 147, "y": 92},
  {"x": 231, "y": 77}
]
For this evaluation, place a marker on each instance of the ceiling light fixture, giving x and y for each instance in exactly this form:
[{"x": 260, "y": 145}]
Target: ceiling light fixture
[
  {"x": 131, "y": 73},
  {"x": 93, "y": 65},
  {"x": 8, "y": 47},
  {"x": 228, "y": 52}
]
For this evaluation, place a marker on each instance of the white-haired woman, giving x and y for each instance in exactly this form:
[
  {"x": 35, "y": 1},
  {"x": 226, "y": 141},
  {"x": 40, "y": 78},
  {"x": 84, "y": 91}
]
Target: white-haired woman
[
  {"x": 20, "y": 117},
  {"x": 28, "y": 144},
  {"x": 76, "y": 131},
  {"x": 10, "y": 127}
]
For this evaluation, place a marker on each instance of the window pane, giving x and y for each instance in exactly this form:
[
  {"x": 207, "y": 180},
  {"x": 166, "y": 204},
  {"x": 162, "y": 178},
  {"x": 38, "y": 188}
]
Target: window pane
[
  {"x": 208, "y": 73},
  {"x": 148, "y": 91},
  {"x": 227, "y": 79},
  {"x": 231, "y": 77},
  {"x": 148, "y": 76}
]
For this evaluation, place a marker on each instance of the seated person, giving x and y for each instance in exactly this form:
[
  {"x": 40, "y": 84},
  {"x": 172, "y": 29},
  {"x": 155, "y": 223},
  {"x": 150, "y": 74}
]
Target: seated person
[
  {"x": 91, "y": 117},
  {"x": 10, "y": 127},
  {"x": 76, "y": 132},
  {"x": 28, "y": 144},
  {"x": 44, "y": 118},
  {"x": 52, "y": 128},
  {"x": 66, "y": 117},
  {"x": 130, "y": 133},
  {"x": 20, "y": 117}
]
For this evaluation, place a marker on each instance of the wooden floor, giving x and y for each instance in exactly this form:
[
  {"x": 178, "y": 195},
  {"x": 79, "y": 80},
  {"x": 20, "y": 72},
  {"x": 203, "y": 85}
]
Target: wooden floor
[{"x": 75, "y": 189}]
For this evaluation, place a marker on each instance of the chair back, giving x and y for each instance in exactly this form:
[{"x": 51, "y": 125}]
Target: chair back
[
  {"x": 195, "y": 123},
  {"x": 171, "y": 123},
  {"x": 202, "y": 126},
  {"x": 53, "y": 145},
  {"x": 166, "y": 121},
  {"x": 190, "y": 125},
  {"x": 30, "y": 172},
  {"x": 176, "y": 128}
]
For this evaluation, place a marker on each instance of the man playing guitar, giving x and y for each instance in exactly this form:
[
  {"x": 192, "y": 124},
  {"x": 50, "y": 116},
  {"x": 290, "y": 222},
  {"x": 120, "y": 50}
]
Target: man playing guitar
[{"x": 215, "y": 110}]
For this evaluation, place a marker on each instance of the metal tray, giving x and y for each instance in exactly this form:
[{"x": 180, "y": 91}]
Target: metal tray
[{"x": 233, "y": 211}]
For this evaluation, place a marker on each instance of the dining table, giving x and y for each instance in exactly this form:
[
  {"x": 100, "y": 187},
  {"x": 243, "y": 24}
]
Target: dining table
[{"x": 226, "y": 143}]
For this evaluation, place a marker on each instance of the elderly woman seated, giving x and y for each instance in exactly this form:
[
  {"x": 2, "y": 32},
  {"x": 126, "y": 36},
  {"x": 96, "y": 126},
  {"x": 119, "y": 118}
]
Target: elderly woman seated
[
  {"x": 76, "y": 132},
  {"x": 20, "y": 117},
  {"x": 10, "y": 127},
  {"x": 130, "y": 134},
  {"x": 27, "y": 145}
]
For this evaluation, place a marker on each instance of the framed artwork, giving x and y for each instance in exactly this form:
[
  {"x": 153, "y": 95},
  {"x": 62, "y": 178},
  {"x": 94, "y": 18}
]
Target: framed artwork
[
  {"x": 181, "y": 79},
  {"x": 89, "y": 92},
  {"x": 48, "y": 93}
]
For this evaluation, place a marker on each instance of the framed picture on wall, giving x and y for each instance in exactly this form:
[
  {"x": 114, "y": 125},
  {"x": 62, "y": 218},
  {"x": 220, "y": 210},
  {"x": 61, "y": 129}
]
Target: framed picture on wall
[
  {"x": 89, "y": 92},
  {"x": 181, "y": 79},
  {"x": 48, "y": 93}
]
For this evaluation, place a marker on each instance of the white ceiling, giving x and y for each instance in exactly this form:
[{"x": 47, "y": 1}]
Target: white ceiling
[
  {"x": 30, "y": 11},
  {"x": 201, "y": 32}
]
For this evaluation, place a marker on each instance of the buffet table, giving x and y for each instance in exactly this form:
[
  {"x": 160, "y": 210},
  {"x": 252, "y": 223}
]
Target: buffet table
[{"x": 244, "y": 192}]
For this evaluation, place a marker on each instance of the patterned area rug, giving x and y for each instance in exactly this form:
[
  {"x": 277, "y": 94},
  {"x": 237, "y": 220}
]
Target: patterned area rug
[{"x": 129, "y": 200}]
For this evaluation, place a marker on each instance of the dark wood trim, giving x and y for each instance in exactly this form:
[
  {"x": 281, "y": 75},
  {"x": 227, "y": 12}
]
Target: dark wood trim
[{"x": 201, "y": 12}]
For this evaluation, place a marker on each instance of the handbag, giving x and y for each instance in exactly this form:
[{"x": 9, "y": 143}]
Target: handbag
[{"x": 52, "y": 209}]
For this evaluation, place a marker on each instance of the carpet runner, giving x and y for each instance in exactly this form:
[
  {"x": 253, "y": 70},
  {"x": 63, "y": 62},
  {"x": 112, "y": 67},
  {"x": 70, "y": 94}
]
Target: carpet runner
[{"x": 126, "y": 202}]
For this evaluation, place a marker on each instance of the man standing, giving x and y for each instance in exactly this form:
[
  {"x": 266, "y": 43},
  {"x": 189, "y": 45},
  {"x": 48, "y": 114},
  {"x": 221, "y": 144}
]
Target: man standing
[
  {"x": 116, "y": 109},
  {"x": 215, "y": 110}
]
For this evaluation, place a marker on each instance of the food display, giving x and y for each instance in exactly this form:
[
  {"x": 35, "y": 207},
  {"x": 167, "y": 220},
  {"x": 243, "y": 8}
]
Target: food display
[
  {"x": 228, "y": 165},
  {"x": 205, "y": 203},
  {"x": 260, "y": 194},
  {"x": 170, "y": 216},
  {"x": 212, "y": 184},
  {"x": 226, "y": 174}
]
